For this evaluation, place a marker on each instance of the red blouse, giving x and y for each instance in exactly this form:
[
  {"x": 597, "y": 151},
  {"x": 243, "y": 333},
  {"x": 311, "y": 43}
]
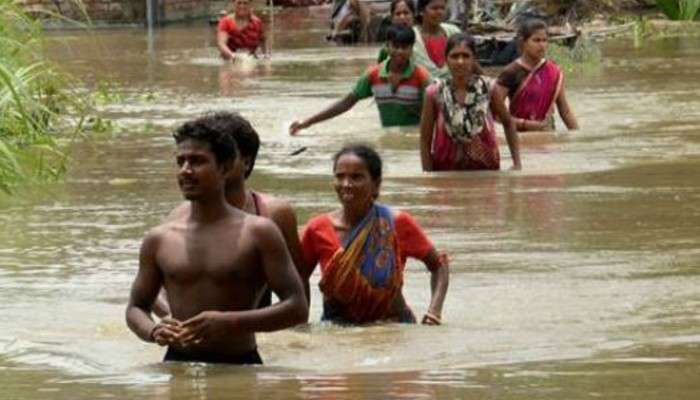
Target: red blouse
[
  {"x": 249, "y": 38},
  {"x": 435, "y": 47},
  {"x": 320, "y": 241}
]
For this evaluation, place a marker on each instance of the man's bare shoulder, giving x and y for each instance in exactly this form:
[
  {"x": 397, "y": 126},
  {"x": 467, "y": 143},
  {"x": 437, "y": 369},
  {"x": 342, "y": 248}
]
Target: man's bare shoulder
[
  {"x": 278, "y": 209},
  {"x": 156, "y": 235},
  {"x": 259, "y": 228},
  {"x": 179, "y": 212},
  {"x": 164, "y": 228}
]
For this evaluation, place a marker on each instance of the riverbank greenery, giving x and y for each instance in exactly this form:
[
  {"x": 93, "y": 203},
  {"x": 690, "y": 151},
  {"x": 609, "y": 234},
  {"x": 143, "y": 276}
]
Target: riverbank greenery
[
  {"x": 582, "y": 57},
  {"x": 34, "y": 99},
  {"x": 680, "y": 10}
]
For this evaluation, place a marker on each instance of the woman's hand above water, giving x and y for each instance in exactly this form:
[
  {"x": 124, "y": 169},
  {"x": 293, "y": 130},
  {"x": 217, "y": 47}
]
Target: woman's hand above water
[
  {"x": 439, "y": 266},
  {"x": 431, "y": 319}
]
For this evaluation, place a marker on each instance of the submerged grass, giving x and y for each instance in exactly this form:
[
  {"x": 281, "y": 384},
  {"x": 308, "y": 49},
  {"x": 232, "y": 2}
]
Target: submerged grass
[{"x": 35, "y": 98}]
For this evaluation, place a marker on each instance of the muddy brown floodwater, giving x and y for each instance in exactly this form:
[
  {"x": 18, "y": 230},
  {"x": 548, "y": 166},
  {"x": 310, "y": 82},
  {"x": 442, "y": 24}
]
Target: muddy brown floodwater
[{"x": 578, "y": 277}]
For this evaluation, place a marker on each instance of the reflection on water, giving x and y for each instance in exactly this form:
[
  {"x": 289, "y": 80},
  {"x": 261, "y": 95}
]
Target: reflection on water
[{"x": 574, "y": 278}]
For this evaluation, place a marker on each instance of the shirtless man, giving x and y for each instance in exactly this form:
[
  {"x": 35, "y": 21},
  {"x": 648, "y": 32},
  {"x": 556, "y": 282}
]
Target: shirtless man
[
  {"x": 213, "y": 263},
  {"x": 256, "y": 203}
]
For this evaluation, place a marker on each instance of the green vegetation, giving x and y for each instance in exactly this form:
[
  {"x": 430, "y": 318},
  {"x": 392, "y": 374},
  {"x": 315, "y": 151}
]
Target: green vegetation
[
  {"x": 680, "y": 10},
  {"x": 583, "y": 56},
  {"x": 35, "y": 98}
]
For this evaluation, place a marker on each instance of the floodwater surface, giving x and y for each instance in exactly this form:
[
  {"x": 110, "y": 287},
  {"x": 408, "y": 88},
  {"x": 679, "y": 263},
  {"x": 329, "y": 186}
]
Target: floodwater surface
[{"x": 575, "y": 278}]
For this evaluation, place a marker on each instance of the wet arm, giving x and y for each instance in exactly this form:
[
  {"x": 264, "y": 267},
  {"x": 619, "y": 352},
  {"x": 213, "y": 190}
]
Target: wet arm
[
  {"x": 282, "y": 279},
  {"x": 439, "y": 281},
  {"x": 161, "y": 308},
  {"x": 498, "y": 105},
  {"x": 286, "y": 220},
  {"x": 144, "y": 290},
  {"x": 333, "y": 110},
  {"x": 222, "y": 43},
  {"x": 427, "y": 126},
  {"x": 565, "y": 111}
]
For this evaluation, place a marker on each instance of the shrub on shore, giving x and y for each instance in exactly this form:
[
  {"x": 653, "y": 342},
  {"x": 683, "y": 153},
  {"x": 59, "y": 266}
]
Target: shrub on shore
[
  {"x": 34, "y": 97},
  {"x": 683, "y": 10}
]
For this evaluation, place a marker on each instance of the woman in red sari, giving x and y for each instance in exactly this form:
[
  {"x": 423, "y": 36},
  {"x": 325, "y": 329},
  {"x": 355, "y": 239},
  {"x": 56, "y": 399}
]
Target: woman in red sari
[
  {"x": 457, "y": 129},
  {"x": 241, "y": 31},
  {"x": 362, "y": 249},
  {"x": 534, "y": 84}
]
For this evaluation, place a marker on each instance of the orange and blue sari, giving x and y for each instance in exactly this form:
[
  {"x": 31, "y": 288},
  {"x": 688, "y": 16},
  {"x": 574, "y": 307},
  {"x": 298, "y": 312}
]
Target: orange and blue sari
[
  {"x": 363, "y": 278},
  {"x": 535, "y": 97}
]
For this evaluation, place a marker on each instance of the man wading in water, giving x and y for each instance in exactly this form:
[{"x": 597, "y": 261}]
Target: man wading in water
[
  {"x": 214, "y": 263},
  {"x": 253, "y": 202}
]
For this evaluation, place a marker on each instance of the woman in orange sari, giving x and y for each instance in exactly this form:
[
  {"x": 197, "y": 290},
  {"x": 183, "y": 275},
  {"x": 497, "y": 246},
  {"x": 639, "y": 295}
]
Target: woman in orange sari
[
  {"x": 363, "y": 246},
  {"x": 534, "y": 84}
]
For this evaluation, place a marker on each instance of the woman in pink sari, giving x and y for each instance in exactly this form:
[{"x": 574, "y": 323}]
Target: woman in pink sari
[
  {"x": 534, "y": 84},
  {"x": 457, "y": 128}
]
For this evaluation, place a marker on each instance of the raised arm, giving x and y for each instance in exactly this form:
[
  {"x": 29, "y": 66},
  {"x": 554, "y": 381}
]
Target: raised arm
[
  {"x": 144, "y": 291},
  {"x": 498, "y": 106},
  {"x": 333, "y": 110},
  {"x": 222, "y": 43},
  {"x": 439, "y": 281},
  {"x": 565, "y": 111},
  {"x": 427, "y": 126}
]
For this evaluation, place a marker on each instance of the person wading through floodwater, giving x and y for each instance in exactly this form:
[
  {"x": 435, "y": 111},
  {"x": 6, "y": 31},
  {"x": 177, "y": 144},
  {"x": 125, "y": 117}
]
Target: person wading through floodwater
[
  {"x": 534, "y": 84},
  {"x": 241, "y": 31},
  {"x": 214, "y": 263},
  {"x": 249, "y": 200},
  {"x": 457, "y": 128},
  {"x": 363, "y": 246},
  {"x": 396, "y": 84}
]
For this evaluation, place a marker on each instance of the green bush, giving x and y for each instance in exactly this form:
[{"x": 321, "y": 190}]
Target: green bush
[
  {"x": 34, "y": 99},
  {"x": 680, "y": 10}
]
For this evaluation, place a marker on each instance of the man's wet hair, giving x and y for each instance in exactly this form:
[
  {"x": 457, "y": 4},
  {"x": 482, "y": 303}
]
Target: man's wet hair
[
  {"x": 371, "y": 158},
  {"x": 216, "y": 130},
  {"x": 400, "y": 36},
  {"x": 247, "y": 141}
]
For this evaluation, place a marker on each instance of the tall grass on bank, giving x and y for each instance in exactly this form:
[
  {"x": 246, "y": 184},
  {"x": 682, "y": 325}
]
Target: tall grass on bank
[
  {"x": 33, "y": 97},
  {"x": 680, "y": 10},
  {"x": 583, "y": 56}
]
